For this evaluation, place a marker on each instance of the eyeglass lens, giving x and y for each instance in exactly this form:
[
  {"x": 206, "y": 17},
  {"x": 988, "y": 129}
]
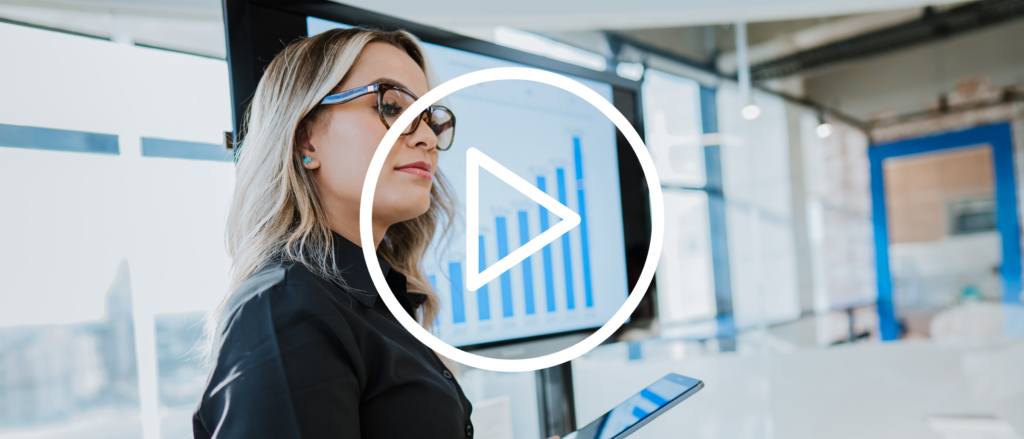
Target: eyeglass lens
[
  {"x": 443, "y": 125},
  {"x": 394, "y": 102}
]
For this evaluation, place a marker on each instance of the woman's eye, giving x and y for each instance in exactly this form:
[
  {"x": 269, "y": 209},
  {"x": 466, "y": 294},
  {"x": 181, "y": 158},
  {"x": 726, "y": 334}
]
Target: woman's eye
[{"x": 391, "y": 109}]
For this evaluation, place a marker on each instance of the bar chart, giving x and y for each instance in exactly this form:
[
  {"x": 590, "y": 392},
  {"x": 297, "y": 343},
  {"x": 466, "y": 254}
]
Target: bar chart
[
  {"x": 500, "y": 239},
  {"x": 560, "y": 145},
  {"x": 555, "y": 282}
]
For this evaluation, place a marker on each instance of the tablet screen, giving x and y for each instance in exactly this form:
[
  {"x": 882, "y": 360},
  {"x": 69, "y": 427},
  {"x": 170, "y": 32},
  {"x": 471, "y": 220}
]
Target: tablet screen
[{"x": 636, "y": 408}]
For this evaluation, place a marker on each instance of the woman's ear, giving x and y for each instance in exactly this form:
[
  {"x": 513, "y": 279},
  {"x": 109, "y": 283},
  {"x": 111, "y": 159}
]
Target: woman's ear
[{"x": 307, "y": 153}]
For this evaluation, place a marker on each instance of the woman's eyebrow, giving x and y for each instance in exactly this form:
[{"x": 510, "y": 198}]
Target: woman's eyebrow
[{"x": 388, "y": 81}]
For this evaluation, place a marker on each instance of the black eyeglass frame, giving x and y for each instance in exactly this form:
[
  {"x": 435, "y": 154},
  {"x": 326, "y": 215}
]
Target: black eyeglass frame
[{"x": 380, "y": 88}]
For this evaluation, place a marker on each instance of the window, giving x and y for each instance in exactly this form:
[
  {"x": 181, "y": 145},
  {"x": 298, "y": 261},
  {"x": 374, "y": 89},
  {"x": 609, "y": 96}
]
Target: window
[
  {"x": 115, "y": 248},
  {"x": 685, "y": 276}
]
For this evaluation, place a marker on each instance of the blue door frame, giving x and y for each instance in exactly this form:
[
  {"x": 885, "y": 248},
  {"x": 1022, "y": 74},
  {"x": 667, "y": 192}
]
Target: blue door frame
[{"x": 1000, "y": 138}]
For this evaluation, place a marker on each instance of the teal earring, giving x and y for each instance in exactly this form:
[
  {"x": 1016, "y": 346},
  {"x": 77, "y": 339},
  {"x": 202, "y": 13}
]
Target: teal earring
[{"x": 306, "y": 159}]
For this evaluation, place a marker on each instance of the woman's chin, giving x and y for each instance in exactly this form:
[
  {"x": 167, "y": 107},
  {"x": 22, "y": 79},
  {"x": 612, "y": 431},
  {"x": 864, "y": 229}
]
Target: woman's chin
[{"x": 410, "y": 209}]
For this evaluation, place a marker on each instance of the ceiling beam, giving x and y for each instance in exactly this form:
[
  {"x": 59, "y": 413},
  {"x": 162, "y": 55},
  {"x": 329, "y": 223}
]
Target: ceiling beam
[{"x": 929, "y": 26}]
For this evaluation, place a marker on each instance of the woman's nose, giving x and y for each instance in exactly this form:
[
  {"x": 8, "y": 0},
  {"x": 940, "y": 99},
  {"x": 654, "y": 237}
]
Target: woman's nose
[{"x": 423, "y": 137}]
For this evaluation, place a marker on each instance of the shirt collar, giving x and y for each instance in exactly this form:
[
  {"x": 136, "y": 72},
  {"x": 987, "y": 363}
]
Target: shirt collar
[{"x": 349, "y": 258}]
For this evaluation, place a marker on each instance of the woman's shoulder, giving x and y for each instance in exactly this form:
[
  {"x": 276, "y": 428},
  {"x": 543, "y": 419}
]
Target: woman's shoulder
[
  {"x": 263, "y": 280},
  {"x": 275, "y": 330},
  {"x": 280, "y": 290}
]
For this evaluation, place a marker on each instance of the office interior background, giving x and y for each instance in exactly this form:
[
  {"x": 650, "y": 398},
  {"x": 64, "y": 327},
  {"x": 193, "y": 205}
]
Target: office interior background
[{"x": 842, "y": 252}]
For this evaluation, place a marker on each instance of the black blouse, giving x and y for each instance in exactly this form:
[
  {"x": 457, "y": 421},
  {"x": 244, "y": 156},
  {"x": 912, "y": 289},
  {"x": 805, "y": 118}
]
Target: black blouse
[{"x": 299, "y": 357}]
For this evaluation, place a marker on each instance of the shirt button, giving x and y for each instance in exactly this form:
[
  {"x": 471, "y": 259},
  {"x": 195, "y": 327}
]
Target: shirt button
[
  {"x": 469, "y": 430},
  {"x": 447, "y": 374}
]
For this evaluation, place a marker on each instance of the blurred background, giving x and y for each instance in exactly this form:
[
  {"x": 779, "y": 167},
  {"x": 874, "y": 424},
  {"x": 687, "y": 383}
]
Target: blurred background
[{"x": 842, "y": 254}]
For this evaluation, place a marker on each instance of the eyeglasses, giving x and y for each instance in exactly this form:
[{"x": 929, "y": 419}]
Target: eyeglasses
[{"x": 392, "y": 100}]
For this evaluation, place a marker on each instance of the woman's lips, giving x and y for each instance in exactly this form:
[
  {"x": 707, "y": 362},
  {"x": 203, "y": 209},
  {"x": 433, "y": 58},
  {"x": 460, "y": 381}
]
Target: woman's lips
[{"x": 419, "y": 169}]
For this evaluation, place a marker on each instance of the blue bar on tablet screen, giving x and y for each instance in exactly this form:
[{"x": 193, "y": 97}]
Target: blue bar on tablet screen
[
  {"x": 653, "y": 397},
  {"x": 639, "y": 413}
]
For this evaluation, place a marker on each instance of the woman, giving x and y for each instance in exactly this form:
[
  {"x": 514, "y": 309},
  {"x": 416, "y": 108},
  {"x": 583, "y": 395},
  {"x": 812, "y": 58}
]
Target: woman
[{"x": 302, "y": 346}]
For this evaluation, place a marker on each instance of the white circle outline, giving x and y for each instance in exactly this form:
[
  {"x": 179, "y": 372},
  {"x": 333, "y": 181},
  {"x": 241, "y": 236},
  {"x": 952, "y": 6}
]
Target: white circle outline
[{"x": 653, "y": 253}]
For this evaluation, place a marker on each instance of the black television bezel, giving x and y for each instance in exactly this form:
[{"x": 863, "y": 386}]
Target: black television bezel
[{"x": 281, "y": 22}]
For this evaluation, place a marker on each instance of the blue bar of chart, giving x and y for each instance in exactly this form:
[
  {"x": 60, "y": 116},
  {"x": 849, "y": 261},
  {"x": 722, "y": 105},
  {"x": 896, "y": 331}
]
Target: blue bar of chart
[
  {"x": 584, "y": 236},
  {"x": 506, "y": 277},
  {"x": 639, "y": 413},
  {"x": 458, "y": 306},
  {"x": 524, "y": 237},
  {"x": 653, "y": 397},
  {"x": 483, "y": 300},
  {"x": 549, "y": 272},
  {"x": 570, "y": 299}
]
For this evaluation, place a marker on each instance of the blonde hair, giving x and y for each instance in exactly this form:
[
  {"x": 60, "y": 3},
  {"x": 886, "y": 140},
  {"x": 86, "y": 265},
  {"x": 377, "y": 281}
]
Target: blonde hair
[{"x": 275, "y": 213}]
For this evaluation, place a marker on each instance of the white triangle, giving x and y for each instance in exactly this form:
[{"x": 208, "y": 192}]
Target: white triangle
[{"x": 476, "y": 160}]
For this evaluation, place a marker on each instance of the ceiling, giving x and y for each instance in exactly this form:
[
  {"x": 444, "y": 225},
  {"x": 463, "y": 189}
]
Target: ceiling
[
  {"x": 695, "y": 30},
  {"x": 540, "y": 15},
  {"x": 563, "y": 15}
]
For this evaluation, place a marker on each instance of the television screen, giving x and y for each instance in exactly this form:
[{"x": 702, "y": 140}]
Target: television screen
[{"x": 567, "y": 148}]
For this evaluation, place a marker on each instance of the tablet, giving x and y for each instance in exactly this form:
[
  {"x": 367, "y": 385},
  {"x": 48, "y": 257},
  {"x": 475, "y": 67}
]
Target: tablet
[{"x": 640, "y": 409}]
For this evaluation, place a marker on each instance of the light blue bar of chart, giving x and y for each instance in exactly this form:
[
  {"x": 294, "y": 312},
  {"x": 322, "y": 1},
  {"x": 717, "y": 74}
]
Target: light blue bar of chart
[
  {"x": 506, "y": 277},
  {"x": 653, "y": 397},
  {"x": 458, "y": 307},
  {"x": 524, "y": 237},
  {"x": 584, "y": 241},
  {"x": 483, "y": 301},
  {"x": 570, "y": 300},
  {"x": 549, "y": 272},
  {"x": 639, "y": 413}
]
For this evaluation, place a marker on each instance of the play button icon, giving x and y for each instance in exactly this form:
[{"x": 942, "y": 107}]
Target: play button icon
[
  {"x": 459, "y": 266},
  {"x": 475, "y": 159}
]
